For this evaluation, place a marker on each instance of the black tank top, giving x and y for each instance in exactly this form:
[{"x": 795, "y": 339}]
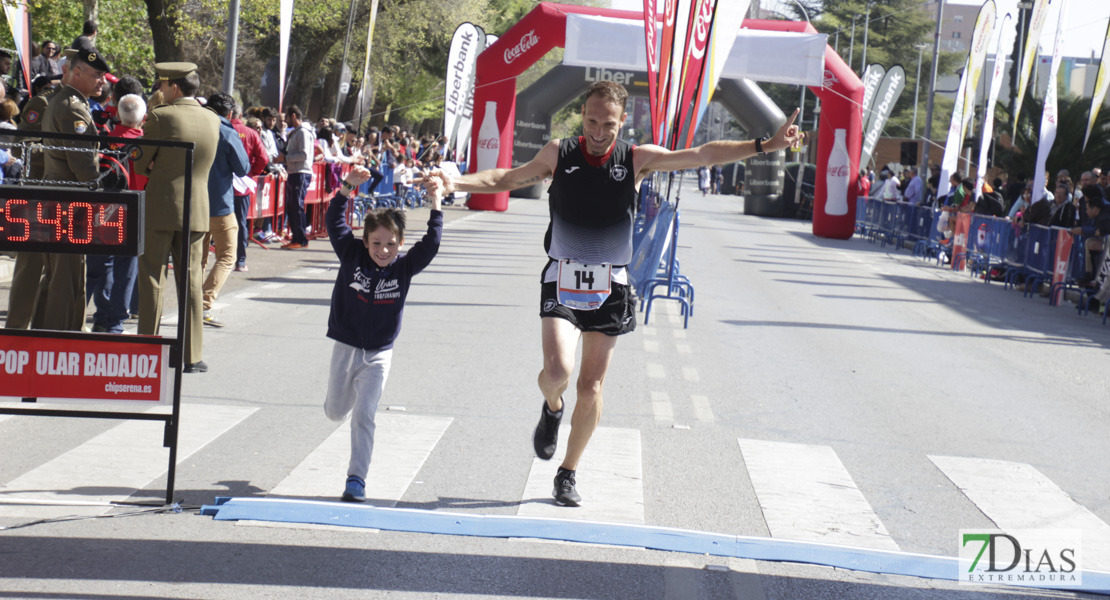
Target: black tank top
[{"x": 592, "y": 208}]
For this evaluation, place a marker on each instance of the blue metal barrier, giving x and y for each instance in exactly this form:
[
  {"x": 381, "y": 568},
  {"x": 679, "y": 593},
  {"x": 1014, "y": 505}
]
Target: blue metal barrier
[
  {"x": 677, "y": 286},
  {"x": 1040, "y": 257},
  {"x": 648, "y": 250},
  {"x": 930, "y": 246}
]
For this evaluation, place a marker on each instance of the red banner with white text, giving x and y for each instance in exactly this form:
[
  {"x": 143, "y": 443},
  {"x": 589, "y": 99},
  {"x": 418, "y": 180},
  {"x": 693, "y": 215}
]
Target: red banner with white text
[{"x": 83, "y": 369}]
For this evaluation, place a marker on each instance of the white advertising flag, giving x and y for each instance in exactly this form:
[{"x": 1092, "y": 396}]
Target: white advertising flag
[
  {"x": 1102, "y": 82},
  {"x": 980, "y": 40},
  {"x": 955, "y": 140},
  {"x": 285, "y": 27},
  {"x": 1032, "y": 49},
  {"x": 1049, "y": 118},
  {"x": 988, "y": 112},
  {"x": 458, "y": 97}
]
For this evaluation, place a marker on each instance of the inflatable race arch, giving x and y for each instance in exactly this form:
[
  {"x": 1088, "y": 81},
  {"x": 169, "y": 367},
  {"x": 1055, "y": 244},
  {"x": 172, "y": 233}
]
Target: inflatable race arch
[{"x": 763, "y": 51}]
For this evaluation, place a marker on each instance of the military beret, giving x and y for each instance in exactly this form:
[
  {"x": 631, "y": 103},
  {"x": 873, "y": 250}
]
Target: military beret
[
  {"x": 168, "y": 71},
  {"x": 92, "y": 58}
]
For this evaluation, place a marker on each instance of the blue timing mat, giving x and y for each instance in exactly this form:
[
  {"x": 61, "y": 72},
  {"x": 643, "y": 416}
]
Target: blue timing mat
[{"x": 615, "y": 534}]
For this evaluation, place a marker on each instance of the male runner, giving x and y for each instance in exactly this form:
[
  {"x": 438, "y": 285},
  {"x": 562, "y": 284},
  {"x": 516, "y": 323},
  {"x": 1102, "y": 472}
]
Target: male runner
[{"x": 589, "y": 243}]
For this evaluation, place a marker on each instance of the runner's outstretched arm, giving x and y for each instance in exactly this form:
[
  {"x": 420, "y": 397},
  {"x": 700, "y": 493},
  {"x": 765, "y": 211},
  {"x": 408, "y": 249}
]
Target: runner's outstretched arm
[
  {"x": 503, "y": 180},
  {"x": 651, "y": 158}
]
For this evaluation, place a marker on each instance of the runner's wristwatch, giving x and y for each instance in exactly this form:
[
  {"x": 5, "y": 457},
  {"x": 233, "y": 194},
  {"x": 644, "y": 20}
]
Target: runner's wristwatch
[{"x": 759, "y": 145}]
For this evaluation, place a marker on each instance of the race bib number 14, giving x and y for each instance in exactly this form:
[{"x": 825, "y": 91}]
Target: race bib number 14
[{"x": 584, "y": 287}]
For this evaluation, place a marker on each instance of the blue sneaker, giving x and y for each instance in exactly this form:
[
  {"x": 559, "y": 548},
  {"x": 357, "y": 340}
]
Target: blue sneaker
[{"x": 355, "y": 490}]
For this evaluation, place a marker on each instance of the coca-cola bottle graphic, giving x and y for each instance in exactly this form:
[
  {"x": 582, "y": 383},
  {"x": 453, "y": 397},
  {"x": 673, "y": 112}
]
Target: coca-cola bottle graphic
[
  {"x": 489, "y": 138},
  {"x": 836, "y": 176}
]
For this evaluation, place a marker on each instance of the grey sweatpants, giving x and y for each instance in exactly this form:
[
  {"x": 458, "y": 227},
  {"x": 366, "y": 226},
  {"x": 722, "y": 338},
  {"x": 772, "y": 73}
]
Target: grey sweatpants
[{"x": 355, "y": 386}]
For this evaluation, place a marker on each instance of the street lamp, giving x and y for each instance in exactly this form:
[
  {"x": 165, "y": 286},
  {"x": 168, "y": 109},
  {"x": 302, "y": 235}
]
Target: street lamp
[
  {"x": 932, "y": 87},
  {"x": 852, "y": 44},
  {"x": 801, "y": 119},
  {"x": 917, "y": 86},
  {"x": 866, "y": 27}
]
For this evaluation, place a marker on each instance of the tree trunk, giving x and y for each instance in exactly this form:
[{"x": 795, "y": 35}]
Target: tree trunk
[
  {"x": 163, "y": 29},
  {"x": 92, "y": 10}
]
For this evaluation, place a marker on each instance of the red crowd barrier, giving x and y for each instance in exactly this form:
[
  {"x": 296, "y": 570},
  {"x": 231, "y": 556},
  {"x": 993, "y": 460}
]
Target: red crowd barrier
[{"x": 268, "y": 199}]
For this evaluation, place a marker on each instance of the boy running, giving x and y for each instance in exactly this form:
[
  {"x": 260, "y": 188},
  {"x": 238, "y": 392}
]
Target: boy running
[{"x": 366, "y": 308}]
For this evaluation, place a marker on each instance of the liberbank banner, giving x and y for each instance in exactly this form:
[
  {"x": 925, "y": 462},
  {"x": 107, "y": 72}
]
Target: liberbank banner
[
  {"x": 458, "y": 98},
  {"x": 83, "y": 369},
  {"x": 885, "y": 97}
]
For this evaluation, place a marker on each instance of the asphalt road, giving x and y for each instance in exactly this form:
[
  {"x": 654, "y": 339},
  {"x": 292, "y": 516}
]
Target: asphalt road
[{"x": 825, "y": 391}]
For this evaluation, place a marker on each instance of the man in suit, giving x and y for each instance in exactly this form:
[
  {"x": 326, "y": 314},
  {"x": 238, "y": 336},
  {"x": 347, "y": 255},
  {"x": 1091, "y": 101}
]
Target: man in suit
[
  {"x": 182, "y": 119},
  {"x": 68, "y": 112}
]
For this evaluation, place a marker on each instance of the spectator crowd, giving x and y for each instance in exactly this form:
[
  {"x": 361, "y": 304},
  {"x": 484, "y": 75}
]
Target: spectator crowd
[{"x": 75, "y": 91}]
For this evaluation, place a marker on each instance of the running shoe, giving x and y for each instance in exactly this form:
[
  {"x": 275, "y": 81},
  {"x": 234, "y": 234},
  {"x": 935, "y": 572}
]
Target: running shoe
[
  {"x": 355, "y": 490},
  {"x": 546, "y": 436},
  {"x": 241, "y": 267},
  {"x": 564, "y": 492},
  {"x": 211, "y": 320},
  {"x": 293, "y": 246}
]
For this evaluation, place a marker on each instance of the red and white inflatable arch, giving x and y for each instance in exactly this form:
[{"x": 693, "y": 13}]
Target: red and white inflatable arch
[{"x": 545, "y": 28}]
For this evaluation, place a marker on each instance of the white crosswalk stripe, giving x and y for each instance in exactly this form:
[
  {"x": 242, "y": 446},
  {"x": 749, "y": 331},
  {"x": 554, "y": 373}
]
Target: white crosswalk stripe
[
  {"x": 702, "y": 411},
  {"x": 609, "y": 477},
  {"x": 1018, "y": 496},
  {"x": 113, "y": 465},
  {"x": 402, "y": 443},
  {"x": 806, "y": 494}
]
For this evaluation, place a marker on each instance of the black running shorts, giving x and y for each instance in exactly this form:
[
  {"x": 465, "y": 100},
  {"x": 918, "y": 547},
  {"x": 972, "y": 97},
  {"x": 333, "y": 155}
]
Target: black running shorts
[{"x": 616, "y": 316}]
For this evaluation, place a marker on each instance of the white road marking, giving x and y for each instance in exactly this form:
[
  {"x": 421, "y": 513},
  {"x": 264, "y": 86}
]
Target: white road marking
[
  {"x": 273, "y": 285},
  {"x": 682, "y": 348},
  {"x": 401, "y": 445},
  {"x": 678, "y": 333},
  {"x": 806, "y": 494},
  {"x": 702, "y": 411},
  {"x": 113, "y": 465},
  {"x": 5, "y": 417},
  {"x": 690, "y": 374},
  {"x": 609, "y": 478},
  {"x": 651, "y": 346},
  {"x": 648, "y": 331},
  {"x": 1018, "y": 496},
  {"x": 654, "y": 370},
  {"x": 661, "y": 407}
]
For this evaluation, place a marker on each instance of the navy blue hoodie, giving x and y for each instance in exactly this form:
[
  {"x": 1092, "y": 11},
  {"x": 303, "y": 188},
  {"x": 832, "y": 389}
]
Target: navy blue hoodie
[{"x": 368, "y": 300}]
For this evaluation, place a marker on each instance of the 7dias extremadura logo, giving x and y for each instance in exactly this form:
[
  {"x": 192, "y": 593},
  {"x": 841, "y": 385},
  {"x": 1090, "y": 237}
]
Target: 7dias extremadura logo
[{"x": 1028, "y": 557}]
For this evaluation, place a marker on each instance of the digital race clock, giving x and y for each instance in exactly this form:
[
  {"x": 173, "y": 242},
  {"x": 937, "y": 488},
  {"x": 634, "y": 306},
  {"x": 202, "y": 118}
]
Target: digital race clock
[{"x": 71, "y": 221}]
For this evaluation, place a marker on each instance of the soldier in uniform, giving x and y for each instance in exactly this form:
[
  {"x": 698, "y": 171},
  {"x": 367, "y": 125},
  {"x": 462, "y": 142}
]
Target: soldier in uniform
[
  {"x": 28, "y": 276},
  {"x": 182, "y": 119},
  {"x": 68, "y": 112}
]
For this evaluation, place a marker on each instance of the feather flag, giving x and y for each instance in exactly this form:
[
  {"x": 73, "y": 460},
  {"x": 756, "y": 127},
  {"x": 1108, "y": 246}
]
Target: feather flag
[
  {"x": 1032, "y": 48},
  {"x": 988, "y": 111},
  {"x": 1050, "y": 116},
  {"x": 1102, "y": 82}
]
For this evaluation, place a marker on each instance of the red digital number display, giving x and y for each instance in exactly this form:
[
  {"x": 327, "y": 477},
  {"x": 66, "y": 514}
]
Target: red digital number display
[{"x": 104, "y": 223}]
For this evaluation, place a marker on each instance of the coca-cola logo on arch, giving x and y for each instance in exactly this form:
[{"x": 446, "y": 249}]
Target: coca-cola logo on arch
[
  {"x": 830, "y": 79},
  {"x": 526, "y": 42},
  {"x": 701, "y": 29},
  {"x": 836, "y": 171},
  {"x": 492, "y": 143}
]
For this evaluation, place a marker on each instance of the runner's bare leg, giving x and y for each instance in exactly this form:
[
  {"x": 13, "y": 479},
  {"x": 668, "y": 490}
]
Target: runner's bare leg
[{"x": 597, "y": 351}]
